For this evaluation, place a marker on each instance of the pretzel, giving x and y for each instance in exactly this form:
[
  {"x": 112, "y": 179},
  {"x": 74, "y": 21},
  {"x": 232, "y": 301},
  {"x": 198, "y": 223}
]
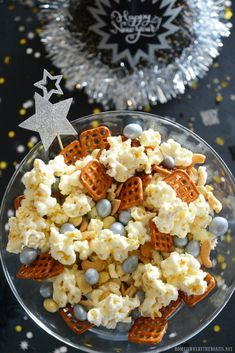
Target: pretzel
[
  {"x": 76, "y": 326},
  {"x": 95, "y": 180},
  {"x": 134, "y": 142},
  {"x": 194, "y": 299},
  {"x": 146, "y": 178},
  {"x": 43, "y": 267},
  {"x": 17, "y": 201},
  {"x": 184, "y": 187},
  {"x": 160, "y": 241},
  {"x": 93, "y": 139},
  {"x": 147, "y": 330},
  {"x": 131, "y": 193},
  {"x": 161, "y": 170},
  {"x": 72, "y": 152},
  {"x": 168, "y": 310}
]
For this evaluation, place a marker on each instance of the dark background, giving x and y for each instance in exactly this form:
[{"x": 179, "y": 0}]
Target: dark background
[{"x": 22, "y": 59}]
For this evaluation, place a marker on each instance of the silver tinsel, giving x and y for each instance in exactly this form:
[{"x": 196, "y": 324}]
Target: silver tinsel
[{"x": 150, "y": 84}]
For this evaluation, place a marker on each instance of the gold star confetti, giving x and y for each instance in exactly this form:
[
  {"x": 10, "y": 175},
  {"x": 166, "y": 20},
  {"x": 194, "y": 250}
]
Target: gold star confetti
[
  {"x": 18, "y": 328},
  {"x": 30, "y": 144},
  {"x": 228, "y": 237},
  {"x": 96, "y": 110},
  {"x": 219, "y": 98},
  {"x": 147, "y": 108},
  {"x": 2, "y": 80},
  {"x": 216, "y": 65},
  {"x": 220, "y": 258},
  {"x": 223, "y": 266},
  {"x": 95, "y": 123},
  {"x": 216, "y": 328},
  {"x": 228, "y": 13},
  {"x": 194, "y": 84},
  {"x": 11, "y": 134},
  {"x": 7, "y": 60},
  {"x": 219, "y": 141},
  {"x": 10, "y": 7},
  {"x": 224, "y": 84},
  {"x": 3, "y": 165}
]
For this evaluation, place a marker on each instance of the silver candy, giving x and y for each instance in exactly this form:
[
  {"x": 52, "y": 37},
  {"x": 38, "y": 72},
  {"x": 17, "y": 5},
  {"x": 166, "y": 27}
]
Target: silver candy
[
  {"x": 124, "y": 217},
  {"x": 92, "y": 276},
  {"x": 132, "y": 131},
  {"x": 130, "y": 264},
  {"x": 79, "y": 312},
  {"x": 123, "y": 326},
  {"x": 28, "y": 255},
  {"x": 218, "y": 226},
  {"x": 135, "y": 314},
  {"x": 141, "y": 295},
  {"x": 168, "y": 162},
  {"x": 180, "y": 242},
  {"x": 193, "y": 248},
  {"x": 46, "y": 289},
  {"x": 104, "y": 208},
  {"x": 67, "y": 227},
  {"x": 118, "y": 228}
]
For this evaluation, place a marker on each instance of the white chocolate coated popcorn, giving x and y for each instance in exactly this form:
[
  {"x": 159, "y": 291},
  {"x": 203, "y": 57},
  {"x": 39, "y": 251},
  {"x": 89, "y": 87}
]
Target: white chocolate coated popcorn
[
  {"x": 150, "y": 137},
  {"x": 122, "y": 160},
  {"x": 76, "y": 205},
  {"x": 112, "y": 310},
  {"x": 182, "y": 156},
  {"x": 137, "y": 230},
  {"x": 183, "y": 271}
]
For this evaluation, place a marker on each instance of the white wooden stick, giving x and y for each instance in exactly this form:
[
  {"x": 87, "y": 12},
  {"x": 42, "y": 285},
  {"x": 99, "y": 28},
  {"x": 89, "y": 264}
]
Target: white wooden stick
[{"x": 60, "y": 142}]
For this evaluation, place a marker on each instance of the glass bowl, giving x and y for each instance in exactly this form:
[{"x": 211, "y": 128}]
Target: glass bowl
[{"x": 186, "y": 322}]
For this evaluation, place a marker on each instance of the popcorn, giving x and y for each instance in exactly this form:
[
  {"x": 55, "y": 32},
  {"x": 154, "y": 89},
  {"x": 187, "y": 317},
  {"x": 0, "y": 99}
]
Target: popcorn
[
  {"x": 112, "y": 310},
  {"x": 150, "y": 138},
  {"x": 137, "y": 230},
  {"x": 60, "y": 167},
  {"x": 108, "y": 244},
  {"x": 183, "y": 271},
  {"x": 122, "y": 160},
  {"x": 83, "y": 248},
  {"x": 154, "y": 157},
  {"x": 77, "y": 204},
  {"x": 62, "y": 245},
  {"x": 158, "y": 193},
  {"x": 65, "y": 289},
  {"x": 182, "y": 156},
  {"x": 141, "y": 214},
  {"x": 202, "y": 176}
]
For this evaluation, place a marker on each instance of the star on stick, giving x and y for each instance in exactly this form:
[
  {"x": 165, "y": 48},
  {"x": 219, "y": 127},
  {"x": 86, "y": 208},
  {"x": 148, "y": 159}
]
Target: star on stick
[
  {"x": 49, "y": 120},
  {"x": 42, "y": 84}
]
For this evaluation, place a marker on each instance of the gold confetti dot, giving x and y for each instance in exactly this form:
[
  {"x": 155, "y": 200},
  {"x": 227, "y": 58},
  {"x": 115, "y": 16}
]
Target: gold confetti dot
[
  {"x": 34, "y": 10},
  {"x": 94, "y": 123},
  {"x": 2, "y": 80},
  {"x": 219, "y": 141},
  {"x": 23, "y": 41},
  {"x": 194, "y": 84},
  {"x": 216, "y": 328},
  {"x": 228, "y": 238},
  {"x": 22, "y": 111},
  {"x": 15, "y": 163},
  {"x": 96, "y": 110},
  {"x": 204, "y": 341},
  {"x": 215, "y": 65},
  {"x": 11, "y": 134},
  {"x": 219, "y": 98},
  {"x": 18, "y": 328},
  {"x": 10, "y": 7},
  {"x": 220, "y": 258},
  {"x": 223, "y": 266},
  {"x": 218, "y": 278},
  {"x": 7, "y": 60},
  {"x": 224, "y": 84},
  {"x": 228, "y": 13},
  {"x": 217, "y": 179},
  {"x": 3, "y": 165},
  {"x": 30, "y": 144},
  {"x": 147, "y": 108},
  {"x": 38, "y": 30}
]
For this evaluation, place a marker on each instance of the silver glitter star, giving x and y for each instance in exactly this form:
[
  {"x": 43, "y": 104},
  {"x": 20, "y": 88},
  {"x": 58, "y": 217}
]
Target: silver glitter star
[
  {"x": 42, "y": 84},
  {"x": 49, "y": 120}
]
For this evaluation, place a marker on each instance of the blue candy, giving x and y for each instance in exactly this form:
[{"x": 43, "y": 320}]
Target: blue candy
[
  {"x": 180, "y": 242},
  {"x": 135, "y": 314},
  {"x": 193, "y": 248},
  {"x": 46, "y": 289},
  {"x": 79, "y": 312},
  {"x": 140, "y": 295},
  {"x": 92, "y": 276},
  {"x": 124, "y": 217},
  {"x": 118, "y": 228},
  {"x": 130, "y": 264},
  {"x": 104, "y": 208},
  {"x": 218, "y": 226},
  {"x": 123, "y": 326},
  {"x": 132, "y": 131},
  {"x": 67, "y": 227},
  {"x": 28, "y": 255}
]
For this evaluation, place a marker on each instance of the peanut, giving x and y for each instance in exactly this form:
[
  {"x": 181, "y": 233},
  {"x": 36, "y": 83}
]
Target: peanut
[
  {"x": 205, "y": 253},
  {"x": 98, "y": 264},
  {"x": 115, "y": 206},
  {"x": 105, "y": 295},
  {"x": 198, "y": 158},
  {"x": 130, "y": 291},
  {"x": 83, "y": 285},
  {"x": 104, "y": 277},
  {"x": 86, "y": 303},
  {"x": 119, "y": 189},
  {"x": 50, "y": 305},
  {"x": 88, "y": 234},
  {"x": 123, "y": 289},
  {"x": 76, "y": 221},
  {"x": 83, "y": 225},
  {"x": 146, "y": 249},
  {"x": 108, "y": 221}
]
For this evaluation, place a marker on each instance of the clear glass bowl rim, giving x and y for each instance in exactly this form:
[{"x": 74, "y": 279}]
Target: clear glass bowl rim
[{"x": 31, "y": 152}]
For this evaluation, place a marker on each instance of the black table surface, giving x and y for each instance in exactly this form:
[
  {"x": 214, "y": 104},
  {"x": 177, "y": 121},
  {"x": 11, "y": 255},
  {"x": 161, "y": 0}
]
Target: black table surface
[{"x": 208, "y": 107}]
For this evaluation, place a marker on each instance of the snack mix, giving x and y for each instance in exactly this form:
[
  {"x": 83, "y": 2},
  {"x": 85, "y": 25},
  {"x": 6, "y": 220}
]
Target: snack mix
[{"x": 119, "y": 230}]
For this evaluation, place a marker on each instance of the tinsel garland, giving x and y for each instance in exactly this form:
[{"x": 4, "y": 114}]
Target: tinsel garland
[{"x": 144, "y": 84}]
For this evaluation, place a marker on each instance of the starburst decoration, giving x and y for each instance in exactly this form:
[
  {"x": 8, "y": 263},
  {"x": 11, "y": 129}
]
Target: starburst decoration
[
  {"x": 49, "y": 119},
  {"x": 24, "y": 345},
  {"x": 132, "y": 38}
]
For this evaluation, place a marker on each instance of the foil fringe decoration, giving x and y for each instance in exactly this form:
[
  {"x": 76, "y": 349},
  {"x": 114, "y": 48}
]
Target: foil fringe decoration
[{"x": 148, "y": 85}]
